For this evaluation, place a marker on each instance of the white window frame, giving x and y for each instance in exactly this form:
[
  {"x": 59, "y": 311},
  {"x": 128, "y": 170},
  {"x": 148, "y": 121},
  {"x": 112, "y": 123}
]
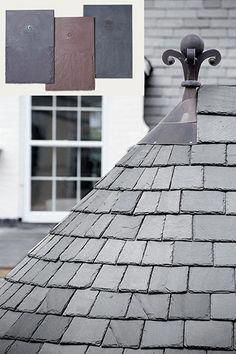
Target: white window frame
[{"x": 52, "y": 216}]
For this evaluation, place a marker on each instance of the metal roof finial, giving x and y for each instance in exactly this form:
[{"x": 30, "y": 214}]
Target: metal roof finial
[{"x": 191, "y": 56}]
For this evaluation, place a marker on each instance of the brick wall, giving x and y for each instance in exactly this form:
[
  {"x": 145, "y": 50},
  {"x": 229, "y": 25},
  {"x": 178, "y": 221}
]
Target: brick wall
[{"x": 166, "y": 22}]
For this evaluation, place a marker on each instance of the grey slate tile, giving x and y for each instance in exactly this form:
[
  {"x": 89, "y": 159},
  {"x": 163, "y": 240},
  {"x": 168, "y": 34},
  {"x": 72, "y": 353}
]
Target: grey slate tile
[
  {"x": 25, "y": 326},
  {"x": 5, "y": 345},
  {"x": 55, "y": 301},
  {"x": 110, "y": 305},
  {"x": 109, "y": 277},
  {"x": 97, "y": 229},
  {"x": 180, "y": 155},
  {"x": 33, "y": 300},
  {"x": 231, "y": 154},
  {"x": 18, "y": 297},
  {"x": 51, "y": 329},
  {"x": 19, "y": 266},
  {"x": 137, "y": 158},
  {"x": 214, "y": 227},
  {"x": 128, "y": 179},
  {"x": 136, "y": 279},
  {"x": 109, "y": 178},
  {"x": 84, "y": 226},
  {"x": 162, "y": 334},
  {"x": 7, "y": 321},
  {"x": 220, "y": 352},
  {"x": 216, "y": 99},
  {"x": 2, "y": 312},
  {"x": 123, "y": 227},
  {"x": 169, "y": 279},
  {"x": 146, "y": 180},
  {"x": 208, "y": 334},
  {"x": 132, "y": 253},
  {"x": 222, "y": 178},
  {"x": 147, "y": 203},
  {"x": 187, "y": 177},
  {"x": 186, "y": 351},
  {"x": 169, "y": 202},
  {"x": 43, "y": 277},
  {"x": 163, "y": 178},
  {"x": 201, "y": 202},
  {"x": 151, "y": 228},
  {"x": 158, "y": 253},
  {"x": 74, "y": 248},
  {"x": 49, "y": 348},
  {"x": 23, "y": 347},
  {"x": 9, "y": 292},
  {"x": 223, "y": 306},
  {"x": 110, "y": 252},
  {"x": 163, "y": 155},
  {"x": 190, "y": 306},
  {"x": 231, "y": 203},
  {"x": 4, "y": 286},
  {"x": 210, "y": 280},
  {"x": 64, "y": 274},
  {"x": 40, "y": 245},
  {"x": 131, "y": 151},
  {"x": 225, "y": 254},
  {"x": 122, "y": 333},
  {"x": 193, "y": 253},
  {"x": 60, "y": 226},
  {"x": 126, "y": 202},
  {"x": 107, "y": 204},
  {"x": 90, "y": 251},
  {"x": 74, "y": 223},
  {"x": 208, "y": 154},
  {"x": 101, "y": 350},
  {"x": 150, "y": 157},
  {"x": 16, "y": 276},
  {"x": 81, "y": 303},
  {"x": 35, "y": 270},
  {"x": 99, "y": 197},
  {"x": 93, "y": 197},
  {"x": 50, "y": 242},
  {"x": 143, "y": 351},
  {"x": 85, "y": 276},
  {"x": 149, "y": 306},
  {"x": 58, "y": 249},
  {"x": 216, "y": 129},
  {"x": 91, "y": 331}
]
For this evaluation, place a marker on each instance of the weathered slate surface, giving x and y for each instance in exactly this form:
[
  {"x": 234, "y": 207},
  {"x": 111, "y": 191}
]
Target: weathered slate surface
[
  {"x": 30, "y": 46},
  {"x": 113, "y": 36}
]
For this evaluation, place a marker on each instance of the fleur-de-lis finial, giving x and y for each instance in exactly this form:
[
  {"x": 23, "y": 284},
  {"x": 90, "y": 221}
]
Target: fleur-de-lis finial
[{"x": 191, "y": 56}]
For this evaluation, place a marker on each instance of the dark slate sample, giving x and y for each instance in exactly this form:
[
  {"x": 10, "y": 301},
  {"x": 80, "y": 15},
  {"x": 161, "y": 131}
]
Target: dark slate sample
[
  {"x": 51, "y": 329},
  {"x": 74, "y": 54},
  {"x": 190, "y": 306},
  {"x": 30, "y": 46},
  {"x": 19, "y": 295},
  {"x": 7, "y": 321},
  {"x": 113, "y": 40},
  {"x": 110, "y": 305},
  {"x": 149, "y": 306},
  {"x": 25, "y": 326},
  {"x": 33, "y": 300},
  {"x": 123, "y": 334},
  {"x": 55, "y": 301}
]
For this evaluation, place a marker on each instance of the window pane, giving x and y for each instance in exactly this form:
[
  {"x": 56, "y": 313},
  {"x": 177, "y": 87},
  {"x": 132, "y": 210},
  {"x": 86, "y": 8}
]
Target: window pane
[
  {"x": 86, "y": 187},
  {"x": 66, "y": 162},
  {"x": 42, "y": 101},
  {"x": 66, "y": 125},
  {"x": 41, "y": 195},
  {"x": 41, "y": 125},
  {"x": 41, "y": 161},
  {"x": 90, "y": 162},
  {"x": 91, "y": 128},
  {"x": 66, "y": 195},
  {"x": 91, "y": 101},
  {"x": 67, "y": 101}
]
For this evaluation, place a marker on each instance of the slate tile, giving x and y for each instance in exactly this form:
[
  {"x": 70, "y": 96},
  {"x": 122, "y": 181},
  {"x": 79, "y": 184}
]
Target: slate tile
[
  {"x": 110, "y": 252},
  {"x": 193, "y": 253},
  {"x": 19, "y": 266},
  {"x": 49, "y": 348},
  {"x": 33, "y": 300},
  {"x": 151, "y": 228},
  {"x": 216, "y": 128},
  {"x": 168, "y": 279},
  {"x": 126, "y": 202},
  {"x": 231, "y": 154},
  {"x": 163, "y": 178},
  {"x": 64, "y": 274},
  {"x": 214, "y": 227},
  {"x": 180, "y": 155},
  {"x": 37, "y": 249},
  {"x": 35, "y": 270},
  {"x": 9, "y": 293},
  {"x": 110, "y": 305},
  {"x": 84, "y": 226},
  {"x": 136, "y": 279},
  {"x": 220, "y": 352},
  {"x": 210, "y": 280},
  {"x": 128, "y": 179},
  {"x": 97, "y": 229},
  {"x": 7, "y": 321},
  {"x": 187, "y": 351},
  {"x": 131, "y": 151},
  {"x": 123, "y": 227},
  {"x": 43, "y": 277},
  {"x": 146, "y": 180},
  {"x": 137, "y": 158},
  {"x": 4, "y": 286},
  {"x": 57, "y": 229},
  {"x": 231, "y": 203},
  {"x": 91, "y": 331},
  {"x": 132, "y": 253},
  {"x": 149, "y": 306},
  {"x": 221, "y": 178},
  {"x": 99, "y": 197},
  {"x": 106, "y": 181},
  {"x": 48, "y": 246},
  {"x": 150, "y": 157},
  {"x": 85, "y": 276},
  {"x": 163, "y": 155},
  {"x": 125, "y": 334},
  {"x": 147, "y": 203},
  {"x": 18, "y": 296},
  {"x": 83, "y": 203},
  {"x": 20, "y": 272},
  {"x": 203, "y": 202},
  {"x": 190, "y": 306},
  {"x": 107, "y": 204},
  {"x": 51, "y": 329},
  {"x": 109, "y": 277},
  {"x": 58, "y": 249},
  {"x": 23, "y": 347},
  {"x": 208, "y": 154},
  {"x": 208, "y": 334},
  {"x": 158, "y": 253},
  {"x": 187, "y": 177},
  {"x": 224, "y": 254},
  {"x": 169, "y": 202},
  {"x": 2, "y": 312},
  {"x": 75, "y": 247},
  {"x": 101, "y": 350},
  {"x": 74, "y": 223},
  {"x": 163, "y": 334},
  {"x": 90, "y": 251},
  {"x": 25, "y": 326},
  {"x": 81, "y": 303},
  {"x": 5, "y": 345},
  {"x": 223, "y": 306},
  {"x": 55, "y": 301}
]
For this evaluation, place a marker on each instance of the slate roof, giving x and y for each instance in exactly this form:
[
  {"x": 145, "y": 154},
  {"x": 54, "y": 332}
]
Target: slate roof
[{"x": 145, "y": 264}]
